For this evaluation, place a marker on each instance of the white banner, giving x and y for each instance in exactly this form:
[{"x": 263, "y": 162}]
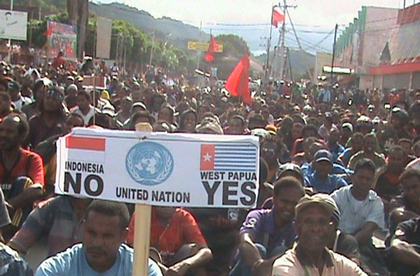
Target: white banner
[
  {"x": 13, "y": 25},
  {"x": 160, "y": 169},
  {"x": 103, "y": 38}
]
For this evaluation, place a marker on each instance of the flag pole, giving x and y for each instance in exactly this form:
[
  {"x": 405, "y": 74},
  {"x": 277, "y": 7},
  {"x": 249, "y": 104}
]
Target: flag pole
[
  {"x": 267, "y": 69},
  {"x": 283, "y": 33}
]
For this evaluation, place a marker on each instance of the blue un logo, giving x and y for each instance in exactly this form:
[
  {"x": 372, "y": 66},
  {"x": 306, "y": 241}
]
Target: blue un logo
[{"x": 149, "y": 163}]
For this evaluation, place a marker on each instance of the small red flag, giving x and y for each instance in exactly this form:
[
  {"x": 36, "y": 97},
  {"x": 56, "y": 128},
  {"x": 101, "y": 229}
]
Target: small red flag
[
  {"x": 238, "y": 82},
  {"x": 212, "y": 50},
  {"x": 49, "y": 31},
  {"x": 278, "y": 17},
  {"x": 82, "y": 143}
]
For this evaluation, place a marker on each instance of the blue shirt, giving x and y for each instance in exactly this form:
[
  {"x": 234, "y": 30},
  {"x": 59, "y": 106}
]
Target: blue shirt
[
  {"x": 11, "y": 264},
  {"x": 73, "y": 261},
  {"x": 346, "y": 155},
  {"x": 332, "y": 183},
  {"x": 336, "y": 150},
  {"x": 261, "y": 224}
]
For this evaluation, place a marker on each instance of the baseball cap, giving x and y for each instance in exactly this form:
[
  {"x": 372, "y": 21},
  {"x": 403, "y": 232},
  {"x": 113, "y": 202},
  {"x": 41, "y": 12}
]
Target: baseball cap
[
  {"x": 290, "y": 167},
  {"x": 139, "y": 104},
  {"x": 56, "y": 93},
  {"x": 348, "y": 126},
  {"x": 209, "y": 125},
  {"x": 323, "y": 155},
  {"x": 324, "y": 200},
  {"x": 145, "y": 127}
]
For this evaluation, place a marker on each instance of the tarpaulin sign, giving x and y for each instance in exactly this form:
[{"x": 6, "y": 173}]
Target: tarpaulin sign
[{"x": 195, "y": 170}]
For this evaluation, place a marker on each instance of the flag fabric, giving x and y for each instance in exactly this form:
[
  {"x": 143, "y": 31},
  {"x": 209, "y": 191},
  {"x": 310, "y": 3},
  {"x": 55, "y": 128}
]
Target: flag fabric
[
  {"x": 210, "y": 55},
  {"x": 238, "y": 81},
  {"x": 49, "y": 31},
  {"x": 86, "y": 149},
  {"x": 278, "y": 17},
  {"x": 226, "y": 157}
]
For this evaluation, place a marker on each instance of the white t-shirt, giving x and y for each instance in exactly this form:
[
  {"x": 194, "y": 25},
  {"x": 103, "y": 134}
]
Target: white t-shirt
[{"x": 354, "y": 214}]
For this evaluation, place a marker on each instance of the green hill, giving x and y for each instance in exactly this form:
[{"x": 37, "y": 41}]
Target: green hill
[{"x": 165, "y": 28}]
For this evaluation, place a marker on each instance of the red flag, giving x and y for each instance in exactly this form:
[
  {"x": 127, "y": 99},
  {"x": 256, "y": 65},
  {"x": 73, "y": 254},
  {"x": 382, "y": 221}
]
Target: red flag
[
  {"x": 238, "y": 82},
  {"x": 49, "y": 31},
  {"x": 207, "y": 157},
  {"x": 212, "y": 50},
  {"x": 278, "y": 17}
]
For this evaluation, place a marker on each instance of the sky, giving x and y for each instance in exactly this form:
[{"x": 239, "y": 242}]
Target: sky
[
  {"x": 218, "y": 16},
  {"x": 324, "y": 13}
]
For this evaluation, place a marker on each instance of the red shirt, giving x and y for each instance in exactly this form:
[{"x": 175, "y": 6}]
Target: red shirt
[
  {"x": 28, "y": 164},
  {"x": 182, "y": 229}
]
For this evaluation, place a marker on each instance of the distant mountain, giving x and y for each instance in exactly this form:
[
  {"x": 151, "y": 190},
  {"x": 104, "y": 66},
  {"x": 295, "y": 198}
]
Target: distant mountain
[
  {"x": 180, "y": 33},
  {"x": 166, "y": 28},
  {"x": 297, "y": 62}
]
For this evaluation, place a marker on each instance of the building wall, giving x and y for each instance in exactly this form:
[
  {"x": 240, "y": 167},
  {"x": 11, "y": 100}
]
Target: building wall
[
  {"x": 405, "y": 46},
  {"x": 322, "y": 59},
  {"x": 366, "y": 81},
  {"x": 381, "y": 27},
  {"x": 415, "y": 84}
]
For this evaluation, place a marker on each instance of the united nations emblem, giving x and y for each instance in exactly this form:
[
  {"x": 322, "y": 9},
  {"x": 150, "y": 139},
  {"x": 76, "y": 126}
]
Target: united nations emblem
[{"x": 149, "y": 163}]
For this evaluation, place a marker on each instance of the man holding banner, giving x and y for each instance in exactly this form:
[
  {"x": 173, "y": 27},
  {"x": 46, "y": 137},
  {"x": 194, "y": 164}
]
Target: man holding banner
[
  {"x": 177, "y": 239},
  {"x": 102, "y": 251}
]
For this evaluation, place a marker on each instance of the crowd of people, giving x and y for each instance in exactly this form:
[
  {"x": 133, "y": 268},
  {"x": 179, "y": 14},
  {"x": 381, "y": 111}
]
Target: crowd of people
[{"x": 339, "y": 176}]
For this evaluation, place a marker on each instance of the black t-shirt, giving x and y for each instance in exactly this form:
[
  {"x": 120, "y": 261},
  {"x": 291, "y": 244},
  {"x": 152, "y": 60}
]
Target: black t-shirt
[
  {"x": 347, "y": 246},
  {"x": 408, "y": 231}
]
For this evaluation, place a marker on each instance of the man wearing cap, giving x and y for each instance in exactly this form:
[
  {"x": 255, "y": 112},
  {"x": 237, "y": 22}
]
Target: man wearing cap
[
  {"x": 346, "y": 133},
  {"x": 268, "y": 233},
  {"x": 311, "y": 256},
  {"x": 324, "y": 130},
  {"x": 285, "y": 170},
  {"x": 322, "y": 178},
  {"x": 13, "y": 88},
  {"x": 38, "y": 92},
  {"x": 49, "y": 121},
  {"x": 310, "y": 150},
  {"x": 71, "y": 98}
]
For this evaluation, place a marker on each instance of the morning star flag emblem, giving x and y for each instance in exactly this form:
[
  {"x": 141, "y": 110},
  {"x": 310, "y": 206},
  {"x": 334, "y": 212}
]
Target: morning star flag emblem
[{"x": 226, "y": 157}]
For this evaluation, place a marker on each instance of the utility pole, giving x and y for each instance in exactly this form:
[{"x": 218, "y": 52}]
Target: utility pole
[
  {"x": 151, "y": 50},
  {"x": 283, "y": 33},
  {"x": 9, "y": 54},
  {"x": 300, "y": 47},
  {"x": 30, "y": 20},
  {"x": 280, "y": 69},
  {"x": 267, "y": 65},
  {"x": 333, "y": 55},
  {"x": 290, "y": 64},
  {"x": 84, "y": 6}
]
